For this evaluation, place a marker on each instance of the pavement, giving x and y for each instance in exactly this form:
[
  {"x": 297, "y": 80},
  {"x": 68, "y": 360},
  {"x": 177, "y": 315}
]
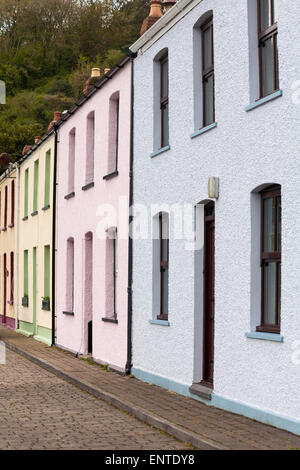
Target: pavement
[{"x": 187, "y": 420}]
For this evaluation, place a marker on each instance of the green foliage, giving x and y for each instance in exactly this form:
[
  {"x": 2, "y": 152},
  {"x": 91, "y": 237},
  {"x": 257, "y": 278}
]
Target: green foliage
[{"x": 48, "y": 48}]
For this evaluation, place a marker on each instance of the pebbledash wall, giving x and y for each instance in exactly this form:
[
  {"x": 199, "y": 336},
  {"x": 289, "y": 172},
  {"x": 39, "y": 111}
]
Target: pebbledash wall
[
  {"x": 8, "y": 191},
  {"x": 247, "y": 147},
  {"x": 35, "y": 241},
  {"x": 91, "y": 181}
]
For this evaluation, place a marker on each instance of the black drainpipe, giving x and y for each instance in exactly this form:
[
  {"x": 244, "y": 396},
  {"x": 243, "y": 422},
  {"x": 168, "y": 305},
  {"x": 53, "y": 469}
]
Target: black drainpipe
[
  {"x": 129, "y": 288},
  {"x": 54, "y": 232}
]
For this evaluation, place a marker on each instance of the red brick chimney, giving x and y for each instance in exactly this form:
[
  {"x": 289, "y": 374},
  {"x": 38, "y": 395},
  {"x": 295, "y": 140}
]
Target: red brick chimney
[
  {"x": 56, "y": 118},
  {"x": 5, "y": 160},
  {"x": 91, "y": 82},
  {"x": 25, "y": 149},
  {"x": 155, "y": 14}
]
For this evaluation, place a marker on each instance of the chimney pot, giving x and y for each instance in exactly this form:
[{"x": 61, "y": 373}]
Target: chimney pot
[
  {"x": 168, "y": 4},
  {"x": 37, "y": 138},
  {"x": 106, "y": 70},
  {"x": 95, "y": 72},
  {"x": 155, "y": 14}
]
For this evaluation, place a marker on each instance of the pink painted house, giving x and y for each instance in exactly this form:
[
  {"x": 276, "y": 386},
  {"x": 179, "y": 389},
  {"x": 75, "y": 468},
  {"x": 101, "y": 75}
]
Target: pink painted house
[{"x": 92, "y": 220}]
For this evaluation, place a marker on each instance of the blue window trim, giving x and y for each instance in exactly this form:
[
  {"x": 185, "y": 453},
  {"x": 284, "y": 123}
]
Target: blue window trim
[
  {"x": 203, "y": 130},
  {"x": 159, "y": 322},
  {"x": 264, "y": 100},
  {"x": 265, "y": 336},
  {"x": 158, "y": 152}
]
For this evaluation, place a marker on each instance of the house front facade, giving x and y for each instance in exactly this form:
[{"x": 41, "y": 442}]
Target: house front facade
[
  {"x": 35, "y": 218},
  {"x": 216, "y": 168},
  {"x": 8, "y": 188},
  {"x": 92, "y": 230}
]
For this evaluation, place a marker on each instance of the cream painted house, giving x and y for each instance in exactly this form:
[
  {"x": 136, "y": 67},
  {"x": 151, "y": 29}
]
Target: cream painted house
[
  {"x": 8, "y": 185},
  {"x": 35, "y": 240}
]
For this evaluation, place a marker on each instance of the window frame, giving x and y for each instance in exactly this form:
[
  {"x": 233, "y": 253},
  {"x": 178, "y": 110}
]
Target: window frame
[
  {"x": 5, "y": 207},
  {"x": 164, "y": 100},
  {"x": 12, "y": 213},
  {"x": 209, "y": 71},
  {"x": 263, "y": 35},
  {"x": 163, "y": 265},
  {"x": 267, "y": 257}
]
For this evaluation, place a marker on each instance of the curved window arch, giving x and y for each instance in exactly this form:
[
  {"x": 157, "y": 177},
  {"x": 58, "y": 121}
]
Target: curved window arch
[
  {"x": 161, "y": 265},
  {"x": 161, "y": 99},
  {"x": 204, "y": 77},
  {"x": 266, "y": 258}
]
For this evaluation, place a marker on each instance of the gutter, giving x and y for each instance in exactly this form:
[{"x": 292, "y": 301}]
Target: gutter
[
  {"x": 54, "y": 234},
  {"x": 129, "y": 288}
]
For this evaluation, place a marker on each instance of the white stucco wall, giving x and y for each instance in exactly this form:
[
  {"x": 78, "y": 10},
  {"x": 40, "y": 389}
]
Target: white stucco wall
[{"x": 247, "y": 149}]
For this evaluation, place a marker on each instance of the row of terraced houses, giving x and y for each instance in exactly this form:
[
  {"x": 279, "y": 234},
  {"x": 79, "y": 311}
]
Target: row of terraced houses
[{"x": 155, "y": 226}]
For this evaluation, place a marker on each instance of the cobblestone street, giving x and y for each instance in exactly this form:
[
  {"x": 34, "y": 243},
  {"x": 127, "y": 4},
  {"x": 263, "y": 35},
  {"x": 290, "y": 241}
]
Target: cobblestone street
[{"x": 40, "y": 411}]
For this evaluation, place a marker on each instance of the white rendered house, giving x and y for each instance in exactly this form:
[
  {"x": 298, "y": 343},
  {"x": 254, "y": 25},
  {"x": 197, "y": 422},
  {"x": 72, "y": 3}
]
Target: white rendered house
[{"x": 216, "y": 144}]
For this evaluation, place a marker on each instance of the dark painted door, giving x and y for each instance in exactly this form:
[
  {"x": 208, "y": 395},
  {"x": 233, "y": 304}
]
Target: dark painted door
[
  {"x": 4, "y": 287},
  {"x": 209, "y": 294}
]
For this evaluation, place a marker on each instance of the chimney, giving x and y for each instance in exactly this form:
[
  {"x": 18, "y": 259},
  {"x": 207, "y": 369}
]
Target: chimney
[
  {"x": 168, "y": 4},
  {"x": 25, "y": 149},
  {"x": 155, "y": 14},
  {"x": 5, "y": 160},
  {"x": 56, "y": 117},
  {"x": 91, "y": 82}
]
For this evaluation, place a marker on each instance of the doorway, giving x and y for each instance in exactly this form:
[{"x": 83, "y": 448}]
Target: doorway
[
  {"x": 88, "y": 293},
  {"x": 208, "y": 295}
]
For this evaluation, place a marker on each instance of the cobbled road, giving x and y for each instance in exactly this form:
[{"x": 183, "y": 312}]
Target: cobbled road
[{"x": 40, "y": 411}]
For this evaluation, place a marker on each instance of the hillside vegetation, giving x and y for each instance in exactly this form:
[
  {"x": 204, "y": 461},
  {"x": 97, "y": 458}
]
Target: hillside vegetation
[{"x": 47, "y": 49}]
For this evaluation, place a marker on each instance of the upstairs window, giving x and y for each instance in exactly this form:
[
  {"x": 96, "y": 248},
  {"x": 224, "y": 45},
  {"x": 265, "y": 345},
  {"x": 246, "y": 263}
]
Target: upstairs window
[
  {"x": 267, "y": 44},
  {"x": 26, "y": 182},
  {"x": 164, "y": 100},
  {"x": 113, "y": 137},
  {"x": 5, "y": 207},
  {"x": 12, "y": 213},
  {"x": 47, "y": 180},
  {"x": 270, "y": 259},
  {"x": 35, "y": 187},
  {"x": 208, "y": 74},
  {"x": 71, "y": 162},
  {"x": 90, "y": 147}
]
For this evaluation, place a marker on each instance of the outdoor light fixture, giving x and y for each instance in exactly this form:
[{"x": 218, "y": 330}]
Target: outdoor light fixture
[{"x": 213, "y": 187}]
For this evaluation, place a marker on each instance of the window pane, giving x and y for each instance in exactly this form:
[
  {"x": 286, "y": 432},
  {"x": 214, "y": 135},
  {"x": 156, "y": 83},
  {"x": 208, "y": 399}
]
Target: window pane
[
  {"x": 208, "y": 101},
  {"x": 265, "y": 14},
  {"x": 269, "y": 224},
  {"x": 207, "y": 48},
  {"x": 270, "y": 293},
  {"x": 165, "y": 126},
  {"x": 279, "y": 290},
  {"x": 267, "y": 66},
  {"x": 165, "y": 282},
  {"x": 164, "y": 79},
  {"x": 279, "y": 224}
]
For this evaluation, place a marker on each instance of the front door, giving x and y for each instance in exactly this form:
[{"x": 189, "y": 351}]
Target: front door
[
  {"x": 209, "y": 295},
  {"x": 4, "y": 287}
]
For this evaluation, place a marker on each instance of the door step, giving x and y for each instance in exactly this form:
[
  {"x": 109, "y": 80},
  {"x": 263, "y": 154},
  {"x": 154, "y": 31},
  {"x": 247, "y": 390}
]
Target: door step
[{"x": 201, "y": 391}]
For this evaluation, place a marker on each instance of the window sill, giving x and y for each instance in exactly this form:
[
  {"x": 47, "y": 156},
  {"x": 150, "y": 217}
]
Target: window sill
[
  {"x": 111, "y": 175},
  {"x": 4, "y": 229},
  {"x": 11, "y": 225},
  {"x": 10, "y": 302},
  {"x": 264, "y": 100},
  {"x": 68, "y": 196},
  {"x": 88, "y": 186},
  {"x": 69, "y": 313},
  {"x": 160, "y": 322},
  {"x": 265, "y": 336},
  {"x": 109, "y": 320},
  {"x": 34, "y": 213},
  {"x": 158, "y": 152},
  {"x": 46, "y": 207},
  {"x": 204, "y": 130},
  {"x": 25, "y": 218}
]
